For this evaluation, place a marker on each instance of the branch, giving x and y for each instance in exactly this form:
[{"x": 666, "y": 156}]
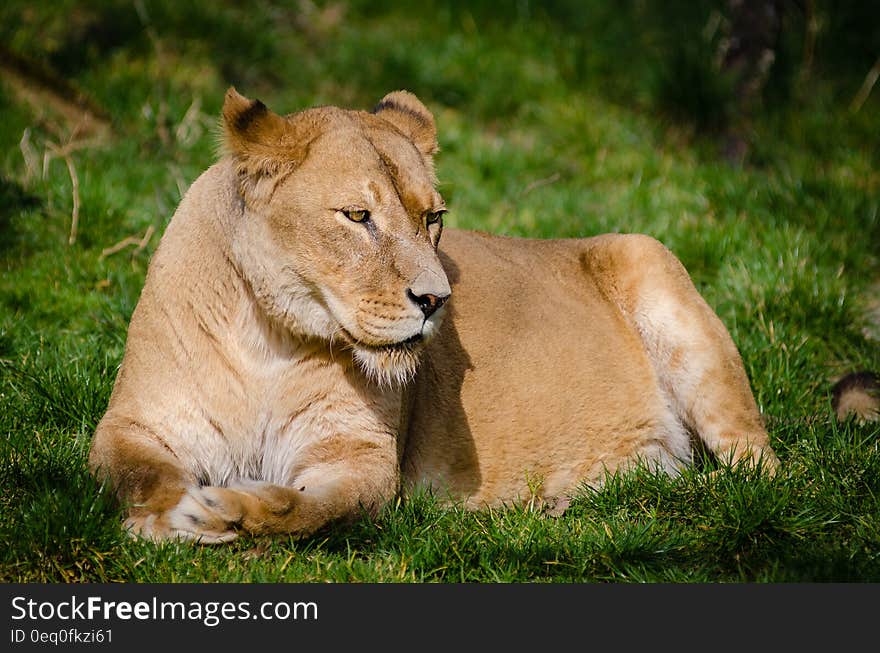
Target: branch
[
  {"x": 54, "y": 150},
  {"x": 74, "y": 217},
  {"x": 867, "y": 86},
  {"x": 140, "y": 243},
  {"x": 538, "y": 183}
]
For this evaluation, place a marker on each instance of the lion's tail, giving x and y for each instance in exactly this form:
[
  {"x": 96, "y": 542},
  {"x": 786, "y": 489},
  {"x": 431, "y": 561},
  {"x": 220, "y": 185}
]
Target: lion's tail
[{"x": 857, "y": 394}]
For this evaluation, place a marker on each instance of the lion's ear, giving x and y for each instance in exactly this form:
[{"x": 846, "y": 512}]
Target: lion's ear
[
  {"x": 262, "y": 143},
  {"x": 406, "y": 112},
  {"x": 249, "y": 127}
]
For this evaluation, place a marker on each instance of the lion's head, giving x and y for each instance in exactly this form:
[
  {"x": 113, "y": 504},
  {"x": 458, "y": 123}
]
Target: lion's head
[{"x": 340, "y": 225}]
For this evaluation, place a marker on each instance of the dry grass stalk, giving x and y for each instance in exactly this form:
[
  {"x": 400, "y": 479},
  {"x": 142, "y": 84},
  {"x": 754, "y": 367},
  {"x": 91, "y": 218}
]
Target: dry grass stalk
[
  {"x": 140, "y": 244},
  {"x": 53, "y": 150}
]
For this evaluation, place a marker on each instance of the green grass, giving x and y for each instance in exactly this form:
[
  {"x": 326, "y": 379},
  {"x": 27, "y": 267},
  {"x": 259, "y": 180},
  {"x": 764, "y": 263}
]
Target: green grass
[{"x": 566, "y": 121}]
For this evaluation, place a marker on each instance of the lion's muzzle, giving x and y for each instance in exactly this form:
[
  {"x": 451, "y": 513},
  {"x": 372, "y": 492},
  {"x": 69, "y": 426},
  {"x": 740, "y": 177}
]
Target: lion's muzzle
[{"x": 429, "y": 291}]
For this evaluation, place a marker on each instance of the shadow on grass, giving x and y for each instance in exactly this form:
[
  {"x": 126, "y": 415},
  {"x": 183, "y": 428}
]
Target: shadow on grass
[
  {"x": 13, "y": 200},
  {"x": 58, "y": 525}
]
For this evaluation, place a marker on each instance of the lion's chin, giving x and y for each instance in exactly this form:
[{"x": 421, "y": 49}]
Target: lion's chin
[{"x": 389, "y": 366}]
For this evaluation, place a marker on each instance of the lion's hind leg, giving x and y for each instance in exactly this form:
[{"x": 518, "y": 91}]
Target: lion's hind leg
[{"x": 697, "y": 364}]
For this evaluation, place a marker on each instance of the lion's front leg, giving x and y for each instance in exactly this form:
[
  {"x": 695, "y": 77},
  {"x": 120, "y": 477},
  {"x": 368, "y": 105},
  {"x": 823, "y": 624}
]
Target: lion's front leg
[
  {"x": 264, "y": 508},
  {"x": 152, "y": 484},
  {"x": 362, "y": 478},
  {"x": 216, "y": 514},
  {"x": 334, "y": 478}
]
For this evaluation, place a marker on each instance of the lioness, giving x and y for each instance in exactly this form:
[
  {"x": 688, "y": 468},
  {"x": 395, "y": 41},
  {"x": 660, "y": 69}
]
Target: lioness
[{"x": 302, "y": 350}]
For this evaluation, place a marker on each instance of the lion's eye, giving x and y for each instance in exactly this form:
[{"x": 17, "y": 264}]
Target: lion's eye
[
  {"x": 433, "y": 217},
  {"x": 356, "y": 215}
]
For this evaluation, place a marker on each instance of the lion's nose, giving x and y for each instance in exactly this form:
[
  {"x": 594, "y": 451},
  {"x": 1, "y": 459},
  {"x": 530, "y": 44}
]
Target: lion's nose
[
  {"x": 428, "y": 303},
  {"x": 429, "y": 291}
]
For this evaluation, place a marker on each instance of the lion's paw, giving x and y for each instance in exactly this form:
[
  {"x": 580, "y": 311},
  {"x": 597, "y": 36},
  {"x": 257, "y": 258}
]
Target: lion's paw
[{"x": 201, "y": 516}]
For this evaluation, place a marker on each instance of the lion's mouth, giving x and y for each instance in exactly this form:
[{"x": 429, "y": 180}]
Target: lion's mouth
[
  {"x": 403, "y": 345},
  {"x": 392, "y": 363},
  {"x": 412, "y": 340}
]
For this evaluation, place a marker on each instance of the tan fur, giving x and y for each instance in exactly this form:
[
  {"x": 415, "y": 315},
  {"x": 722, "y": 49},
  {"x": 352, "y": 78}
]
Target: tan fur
[
  {"x": 857, "y": 394},
  {"x": 281, "y": 373}
]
